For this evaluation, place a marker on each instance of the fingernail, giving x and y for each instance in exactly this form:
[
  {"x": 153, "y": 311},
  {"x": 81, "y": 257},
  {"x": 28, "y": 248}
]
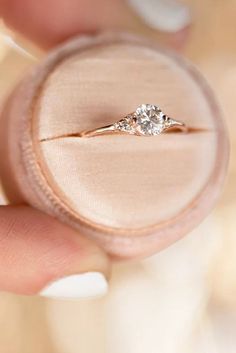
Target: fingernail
[
  {"x": 81, "y": 286},
  {"x": 165, "y": 15}
]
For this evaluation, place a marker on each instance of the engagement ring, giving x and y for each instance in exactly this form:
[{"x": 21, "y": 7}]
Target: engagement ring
[{"x": 147, "y": 120}]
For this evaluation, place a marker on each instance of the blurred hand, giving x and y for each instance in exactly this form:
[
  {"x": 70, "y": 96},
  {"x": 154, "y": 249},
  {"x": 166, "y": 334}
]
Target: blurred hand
[{"x": 49, "y": 22}]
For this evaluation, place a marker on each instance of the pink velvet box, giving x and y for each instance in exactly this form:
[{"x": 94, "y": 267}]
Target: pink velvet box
[{"x": 133, "y": 195}]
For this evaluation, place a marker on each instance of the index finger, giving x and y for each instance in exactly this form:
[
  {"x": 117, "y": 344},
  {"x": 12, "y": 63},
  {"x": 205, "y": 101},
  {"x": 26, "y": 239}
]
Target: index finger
[{"x": 49, "y": 22}]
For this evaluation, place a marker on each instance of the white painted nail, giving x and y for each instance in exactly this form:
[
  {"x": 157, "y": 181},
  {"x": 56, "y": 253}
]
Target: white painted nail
[
  {"x": 165, "y": 15},
  {"x": 81, "y": 286}
]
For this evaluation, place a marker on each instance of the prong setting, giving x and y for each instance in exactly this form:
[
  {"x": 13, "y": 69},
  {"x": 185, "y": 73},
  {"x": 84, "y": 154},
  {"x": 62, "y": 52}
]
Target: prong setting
[{"x": 147, "y": 120}]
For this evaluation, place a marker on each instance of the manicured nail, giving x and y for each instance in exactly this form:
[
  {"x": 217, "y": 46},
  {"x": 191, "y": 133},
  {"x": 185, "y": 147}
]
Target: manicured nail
[
  {"x": 81, "y": 286},
  {"x": 165, "y": 15}
]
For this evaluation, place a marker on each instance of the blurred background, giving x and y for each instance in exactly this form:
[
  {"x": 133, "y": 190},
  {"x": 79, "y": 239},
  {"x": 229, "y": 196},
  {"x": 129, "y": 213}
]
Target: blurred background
[{"x": 188, "y": 292}]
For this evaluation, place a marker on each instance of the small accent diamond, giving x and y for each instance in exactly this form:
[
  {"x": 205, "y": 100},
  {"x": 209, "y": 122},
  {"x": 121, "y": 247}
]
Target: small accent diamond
[{"x": 125, "y": 124}]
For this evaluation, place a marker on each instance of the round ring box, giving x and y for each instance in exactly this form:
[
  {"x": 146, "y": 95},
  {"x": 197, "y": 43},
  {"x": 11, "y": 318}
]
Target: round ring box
[{"x": 133, "y": 195}]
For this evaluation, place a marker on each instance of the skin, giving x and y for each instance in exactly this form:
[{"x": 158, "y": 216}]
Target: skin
[{"x": 36, "y": 249}]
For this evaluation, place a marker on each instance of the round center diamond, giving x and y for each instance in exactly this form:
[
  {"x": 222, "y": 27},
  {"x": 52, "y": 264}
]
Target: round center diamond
[{"x": 149, "y": 120}]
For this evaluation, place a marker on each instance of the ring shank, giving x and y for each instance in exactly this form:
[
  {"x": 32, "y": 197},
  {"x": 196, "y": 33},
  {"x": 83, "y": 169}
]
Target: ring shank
[{"x": 105, "y": 130}]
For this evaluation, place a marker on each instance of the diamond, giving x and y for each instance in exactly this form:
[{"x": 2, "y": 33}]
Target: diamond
[
  {"x": 149, "y": 120},
  {"x": 126, "y": 124}
]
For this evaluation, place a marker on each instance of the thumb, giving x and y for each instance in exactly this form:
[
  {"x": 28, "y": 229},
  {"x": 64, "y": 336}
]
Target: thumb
[{"x": 39, "y": 255}]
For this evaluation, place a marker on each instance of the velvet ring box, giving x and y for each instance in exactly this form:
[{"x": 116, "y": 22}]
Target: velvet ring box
[{"x": 133, "y": 195}]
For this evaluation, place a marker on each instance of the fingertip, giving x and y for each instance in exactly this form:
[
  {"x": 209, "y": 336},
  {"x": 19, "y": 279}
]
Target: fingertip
[{"x": 78, "y": 286}]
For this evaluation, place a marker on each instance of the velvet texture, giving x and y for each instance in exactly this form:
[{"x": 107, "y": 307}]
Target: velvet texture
[{"x": 134, "y": 195}]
